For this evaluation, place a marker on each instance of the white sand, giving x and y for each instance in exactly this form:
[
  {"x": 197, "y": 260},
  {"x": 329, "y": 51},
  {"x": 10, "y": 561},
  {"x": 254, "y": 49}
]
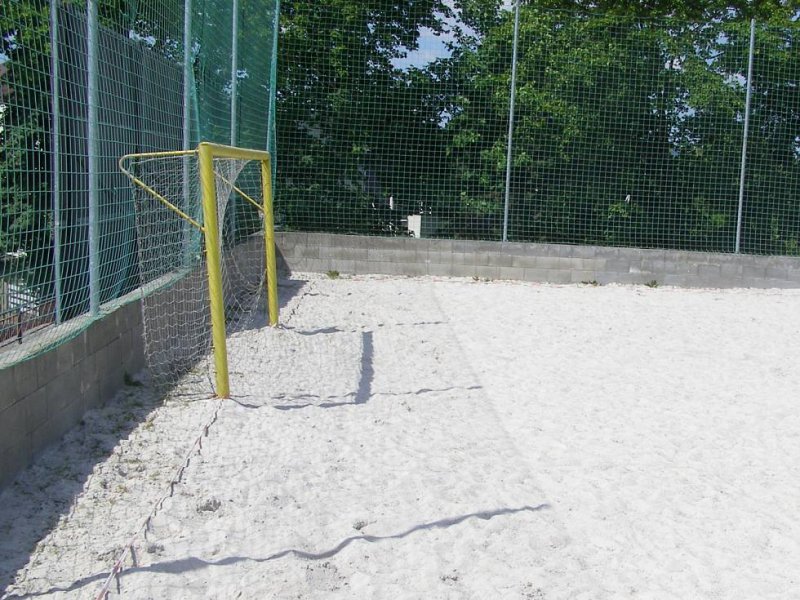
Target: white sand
[{"x": 420, "y": 438}]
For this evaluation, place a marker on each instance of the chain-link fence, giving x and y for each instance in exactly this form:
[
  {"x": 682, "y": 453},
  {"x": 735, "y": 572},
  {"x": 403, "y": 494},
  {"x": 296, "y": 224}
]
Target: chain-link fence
[
  {"x": 83, "y": 82},
  {"x": 627, "y": 131}
]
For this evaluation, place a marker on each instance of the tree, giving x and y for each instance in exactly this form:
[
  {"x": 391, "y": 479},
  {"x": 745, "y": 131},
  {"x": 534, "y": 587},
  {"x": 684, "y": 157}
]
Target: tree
[{"x": 347, "y": 117}]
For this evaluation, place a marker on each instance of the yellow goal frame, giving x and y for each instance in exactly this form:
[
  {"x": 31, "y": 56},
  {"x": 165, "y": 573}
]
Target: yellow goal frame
[{"x": 206, "y": 153}]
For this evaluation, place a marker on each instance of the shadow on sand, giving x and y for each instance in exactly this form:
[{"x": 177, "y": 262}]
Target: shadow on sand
[
  {"x": 53, "y": 483},
  {"x": 192, "y": 563}
]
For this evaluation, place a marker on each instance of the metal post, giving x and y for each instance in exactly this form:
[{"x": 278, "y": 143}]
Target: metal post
[
  {"x": 234, "y": 70},
  {"x": 511, "y": 121},
  {"x": 234, "y": 106},
  {"x": 269, "y": 239},
  {"x": 214, "y": 265},
  {"x": 746, "y": 130},
  {"x": 188, "y": 232},
  {"x": 187, "y": 80},
  {"x": 273, "y": 81},
  {"x": 56, "y": 155},
  {"x": 92, "y": 151}
]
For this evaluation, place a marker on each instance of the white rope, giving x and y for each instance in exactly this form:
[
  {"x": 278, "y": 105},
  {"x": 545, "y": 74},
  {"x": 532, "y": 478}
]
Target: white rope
[{"x": 144, "y": 527}]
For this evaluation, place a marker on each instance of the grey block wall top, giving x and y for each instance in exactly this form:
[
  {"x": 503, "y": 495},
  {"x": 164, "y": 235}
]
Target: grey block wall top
[{"x": 554, "y": 263}]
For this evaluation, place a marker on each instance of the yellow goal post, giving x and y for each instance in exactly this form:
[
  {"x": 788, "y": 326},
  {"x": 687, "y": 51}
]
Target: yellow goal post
[{"x": 210, "y": 181}]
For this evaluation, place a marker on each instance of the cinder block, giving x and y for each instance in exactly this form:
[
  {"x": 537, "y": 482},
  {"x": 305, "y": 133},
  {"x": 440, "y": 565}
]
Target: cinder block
[
  {"x": 585, "y": 251},
  {"x": 675, "y": 267},
  {"x": 440, "y": 270},
  {"x": 390, "y": 268},
  {"x": 777, "y": 272},
  {"x": 344, "y": 253},
  {"x": 443, "y": 246},
  {"x": 63, "y": 390},
  {"x": 440, "y": 258},
  {"x": 605, "y": 251},
  {"x": 753, "y": 273},
  {"x": 524, "y": 261},
  {"x": 512, "y": 273},
  {"x": 653, "y": 265},
  {"x": 582, "y": 276},
  {"x": 378, "y": 255},
  {"x": 25, "y": 377},
  {"x": 463, "y": 258},
  {"x": 486, "y": 271},
  {"x": 731, "y": 269},
  {"x": 45, "y": 368},
  {"x": 309, "y": 252},
  {"x": 558, "y": 276},
  {"x": 463, "y": 270},
  {"x": 291, "y": 238},
  {"x": 563, "y": 250},
  {"x": 535, "y": 274},
  {"x": 496, "y": 259},
  {"x": 101, "y": 333},
  {"x": 553, "y": 263},
  {"x": 618, "y": 265},
  {"x": 36, "y": 409},
  {"x": 394, "y": 243},
  {"x": 65, "y": 354},
  {"x": 361, "y": 267},
  {"x": 708, "y": 271},
  {"x": 464, "y": 246},
  {"x": 343, "y": 266},
  {"x": 8, "y": 385}
]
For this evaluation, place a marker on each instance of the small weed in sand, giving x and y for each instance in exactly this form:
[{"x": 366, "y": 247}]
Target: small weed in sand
[
  {"x": 652, "y": 283},
  {"x": 333, "y": 274}
]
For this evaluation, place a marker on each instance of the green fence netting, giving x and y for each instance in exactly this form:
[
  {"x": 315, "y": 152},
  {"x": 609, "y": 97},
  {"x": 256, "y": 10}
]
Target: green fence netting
[
  {"x": 81, "y": 84},
  {"x": 628, "y": 130}
]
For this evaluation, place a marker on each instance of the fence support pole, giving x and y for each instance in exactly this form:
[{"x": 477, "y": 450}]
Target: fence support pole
[
  {"x": 187, "y": 81},
  {"x": 234, "y": 70},
  {"x": 511, "y": 121},
  {"x": 234, "y": 105},
  {"x": 56, "y": 156},
  {"x": 92, "y": 152},
  {"x": 273, "y": 83},
  {"x": 744, "y": 135},
  {"x": 188, "y": 230}
]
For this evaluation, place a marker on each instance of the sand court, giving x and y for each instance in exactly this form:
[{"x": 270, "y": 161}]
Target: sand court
[{"x": 444, "y": 438}]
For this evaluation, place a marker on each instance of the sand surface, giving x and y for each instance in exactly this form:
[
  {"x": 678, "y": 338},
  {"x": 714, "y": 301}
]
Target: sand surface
[{"x": 429, "y": 438}]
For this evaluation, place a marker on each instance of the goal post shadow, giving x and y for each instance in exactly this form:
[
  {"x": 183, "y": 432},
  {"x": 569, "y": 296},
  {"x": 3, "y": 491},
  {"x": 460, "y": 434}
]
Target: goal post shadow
[{"x": 206, "y": 153}]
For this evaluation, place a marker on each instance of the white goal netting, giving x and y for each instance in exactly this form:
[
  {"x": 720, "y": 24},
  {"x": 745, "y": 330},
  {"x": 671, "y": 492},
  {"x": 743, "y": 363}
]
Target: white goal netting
[{"x": 172, "y": 258}]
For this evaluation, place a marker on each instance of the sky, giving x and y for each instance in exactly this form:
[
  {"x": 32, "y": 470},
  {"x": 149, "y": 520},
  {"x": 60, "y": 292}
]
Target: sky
[{"x": 432, "y": 45}]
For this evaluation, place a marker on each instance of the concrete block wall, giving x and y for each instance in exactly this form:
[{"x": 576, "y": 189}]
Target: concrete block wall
[
  {"x": 43, "y": 397},
  {"x": 550, "y": 263}
]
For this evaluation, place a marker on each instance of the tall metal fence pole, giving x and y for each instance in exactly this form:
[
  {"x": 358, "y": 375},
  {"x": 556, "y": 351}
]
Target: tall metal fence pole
[
  {"x": 511, "y": 121},
  {"x": 234, "y": 70},
  {"x": 273, "y": 83},
  {"x": 92, "y": 152},
  {"x": 234, "y": 106},
  {"x": 744, "y": 135},
  {"x": 187, "y": 81},
  {"x": 56, "y": 155},
  {"x": 188, "y": 231}
]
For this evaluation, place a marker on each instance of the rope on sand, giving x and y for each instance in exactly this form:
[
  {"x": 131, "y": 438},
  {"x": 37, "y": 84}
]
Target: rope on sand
[{"x": 128, "y": 550}]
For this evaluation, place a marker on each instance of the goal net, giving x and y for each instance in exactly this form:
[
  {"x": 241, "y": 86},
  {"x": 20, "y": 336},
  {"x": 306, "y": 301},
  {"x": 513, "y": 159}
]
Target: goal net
[{"x": 206, "y": 247}]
